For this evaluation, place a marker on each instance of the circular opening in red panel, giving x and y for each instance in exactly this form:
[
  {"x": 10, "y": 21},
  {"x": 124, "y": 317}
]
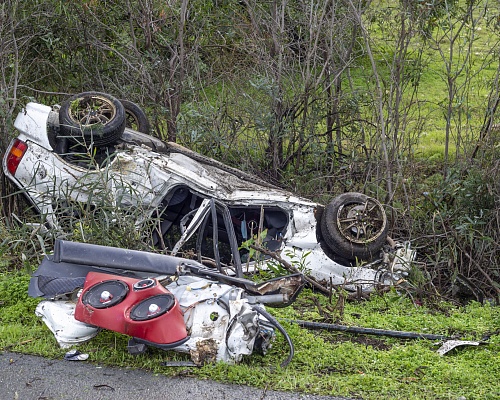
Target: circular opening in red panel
[
  {"x": 152, "y": 307},
  {"x": 144, "y": 284},
  {"x": 105, "y": 294}
]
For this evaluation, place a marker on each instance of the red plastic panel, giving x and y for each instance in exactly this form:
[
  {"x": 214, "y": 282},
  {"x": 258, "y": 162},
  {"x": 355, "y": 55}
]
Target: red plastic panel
[{"x": 156, "y": 315}]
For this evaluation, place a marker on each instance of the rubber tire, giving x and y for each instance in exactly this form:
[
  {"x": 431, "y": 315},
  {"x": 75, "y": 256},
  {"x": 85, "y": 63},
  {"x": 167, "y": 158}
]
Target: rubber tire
[
  {"x": 364, "y": 248},
  {"x": 97, "y": 133},
  {"x": 136, "y": 118}
]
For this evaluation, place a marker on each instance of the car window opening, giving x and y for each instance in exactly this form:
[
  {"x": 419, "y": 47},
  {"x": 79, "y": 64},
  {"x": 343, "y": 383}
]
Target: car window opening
[{"x": 216, "y": 240}]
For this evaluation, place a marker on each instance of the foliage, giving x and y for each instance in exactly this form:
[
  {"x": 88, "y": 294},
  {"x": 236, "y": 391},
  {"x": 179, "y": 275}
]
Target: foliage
[
  {"x": 396, "y": 99},
  {"x": 16, "y": 306},
  {"x": 463, "y": 208}
]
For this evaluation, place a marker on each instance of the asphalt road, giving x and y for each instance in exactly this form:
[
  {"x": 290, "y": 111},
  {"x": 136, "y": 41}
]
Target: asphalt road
[{"x": 25, "y": 377}]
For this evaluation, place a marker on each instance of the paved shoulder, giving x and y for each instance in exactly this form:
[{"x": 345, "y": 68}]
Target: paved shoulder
[{"x": 27, "y": 377}]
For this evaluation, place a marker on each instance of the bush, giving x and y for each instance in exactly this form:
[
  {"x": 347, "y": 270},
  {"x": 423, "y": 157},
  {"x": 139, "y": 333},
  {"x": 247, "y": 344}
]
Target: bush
[{"x": 460, "y": 215}]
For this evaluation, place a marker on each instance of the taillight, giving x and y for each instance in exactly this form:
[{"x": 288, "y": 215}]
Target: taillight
[{"x": 16, "y": 154}]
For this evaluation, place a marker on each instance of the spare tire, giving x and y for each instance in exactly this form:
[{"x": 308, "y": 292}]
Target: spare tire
[
  {"x": 92, "y": 118},
  {"x": 354, "y": 226},
  {"x": 136, "y": 118}
]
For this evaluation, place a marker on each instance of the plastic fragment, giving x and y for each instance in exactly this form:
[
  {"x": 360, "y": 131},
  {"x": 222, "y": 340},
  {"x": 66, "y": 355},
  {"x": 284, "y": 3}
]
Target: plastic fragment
[
  {"x": 451, "y": 344},
  {"x": 75, "y": 355}
]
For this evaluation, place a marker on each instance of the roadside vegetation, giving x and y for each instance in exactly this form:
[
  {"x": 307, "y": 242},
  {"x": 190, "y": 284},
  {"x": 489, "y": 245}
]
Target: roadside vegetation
[{"x": 395, "y": 99}]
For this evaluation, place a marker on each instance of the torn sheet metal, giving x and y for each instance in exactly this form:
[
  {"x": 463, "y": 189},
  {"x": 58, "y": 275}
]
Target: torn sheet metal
[
  {"x": 59, "y": 316},
  {"x": 452, "y": 344},
  {"x": 222, "y": 324}
]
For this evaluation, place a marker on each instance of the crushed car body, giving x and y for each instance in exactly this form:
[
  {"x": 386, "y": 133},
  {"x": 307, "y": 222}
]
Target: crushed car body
[
  {"x": 82, "y": 152},
  {"x": 159, "y": 301}
]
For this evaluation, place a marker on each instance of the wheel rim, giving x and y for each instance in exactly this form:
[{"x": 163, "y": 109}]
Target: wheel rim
[
  {"x": 361, "y": 222},
  {"x": 94, "y": 110},
  {"x": 132, "y": 121}
]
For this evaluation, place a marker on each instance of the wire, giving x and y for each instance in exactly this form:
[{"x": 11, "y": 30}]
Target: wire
[{"x": 273, "y": 321}]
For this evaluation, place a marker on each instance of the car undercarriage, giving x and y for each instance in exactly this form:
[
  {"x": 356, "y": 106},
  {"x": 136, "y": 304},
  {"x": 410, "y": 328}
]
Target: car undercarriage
[{"x": 211, "y": 226}]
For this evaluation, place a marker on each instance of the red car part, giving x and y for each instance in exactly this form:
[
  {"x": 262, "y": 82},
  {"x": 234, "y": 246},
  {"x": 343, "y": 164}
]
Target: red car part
[
  {"x": 15, "y": 155},
  {"x": 141, "y": 308}
]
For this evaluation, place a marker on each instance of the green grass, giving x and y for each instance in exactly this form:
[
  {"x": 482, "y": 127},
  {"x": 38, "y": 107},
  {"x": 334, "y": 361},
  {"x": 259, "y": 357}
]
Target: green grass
[{"x": 328, "y": 363}]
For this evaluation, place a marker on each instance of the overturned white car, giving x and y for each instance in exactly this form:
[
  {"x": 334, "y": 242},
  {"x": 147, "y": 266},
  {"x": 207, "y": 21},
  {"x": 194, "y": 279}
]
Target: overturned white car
[{"x": 82, "y": 152}]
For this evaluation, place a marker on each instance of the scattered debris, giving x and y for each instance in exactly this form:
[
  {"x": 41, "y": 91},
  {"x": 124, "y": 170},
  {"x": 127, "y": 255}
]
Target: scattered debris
[
  {"x": 160, "y": 301},
  {"x": 447, "y": 344},
  {"x": 104, "y": 387},
  {"x": 75, "y": 355},
  {"x": 451, "y": 344},
  {"x": 171, "y": 303},
  {"x": 367, "y": 331}
]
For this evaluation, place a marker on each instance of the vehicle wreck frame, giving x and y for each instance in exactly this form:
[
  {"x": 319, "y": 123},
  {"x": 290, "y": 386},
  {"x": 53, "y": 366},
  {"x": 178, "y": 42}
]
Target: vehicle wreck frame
[{"x": 175, "y": 184}]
